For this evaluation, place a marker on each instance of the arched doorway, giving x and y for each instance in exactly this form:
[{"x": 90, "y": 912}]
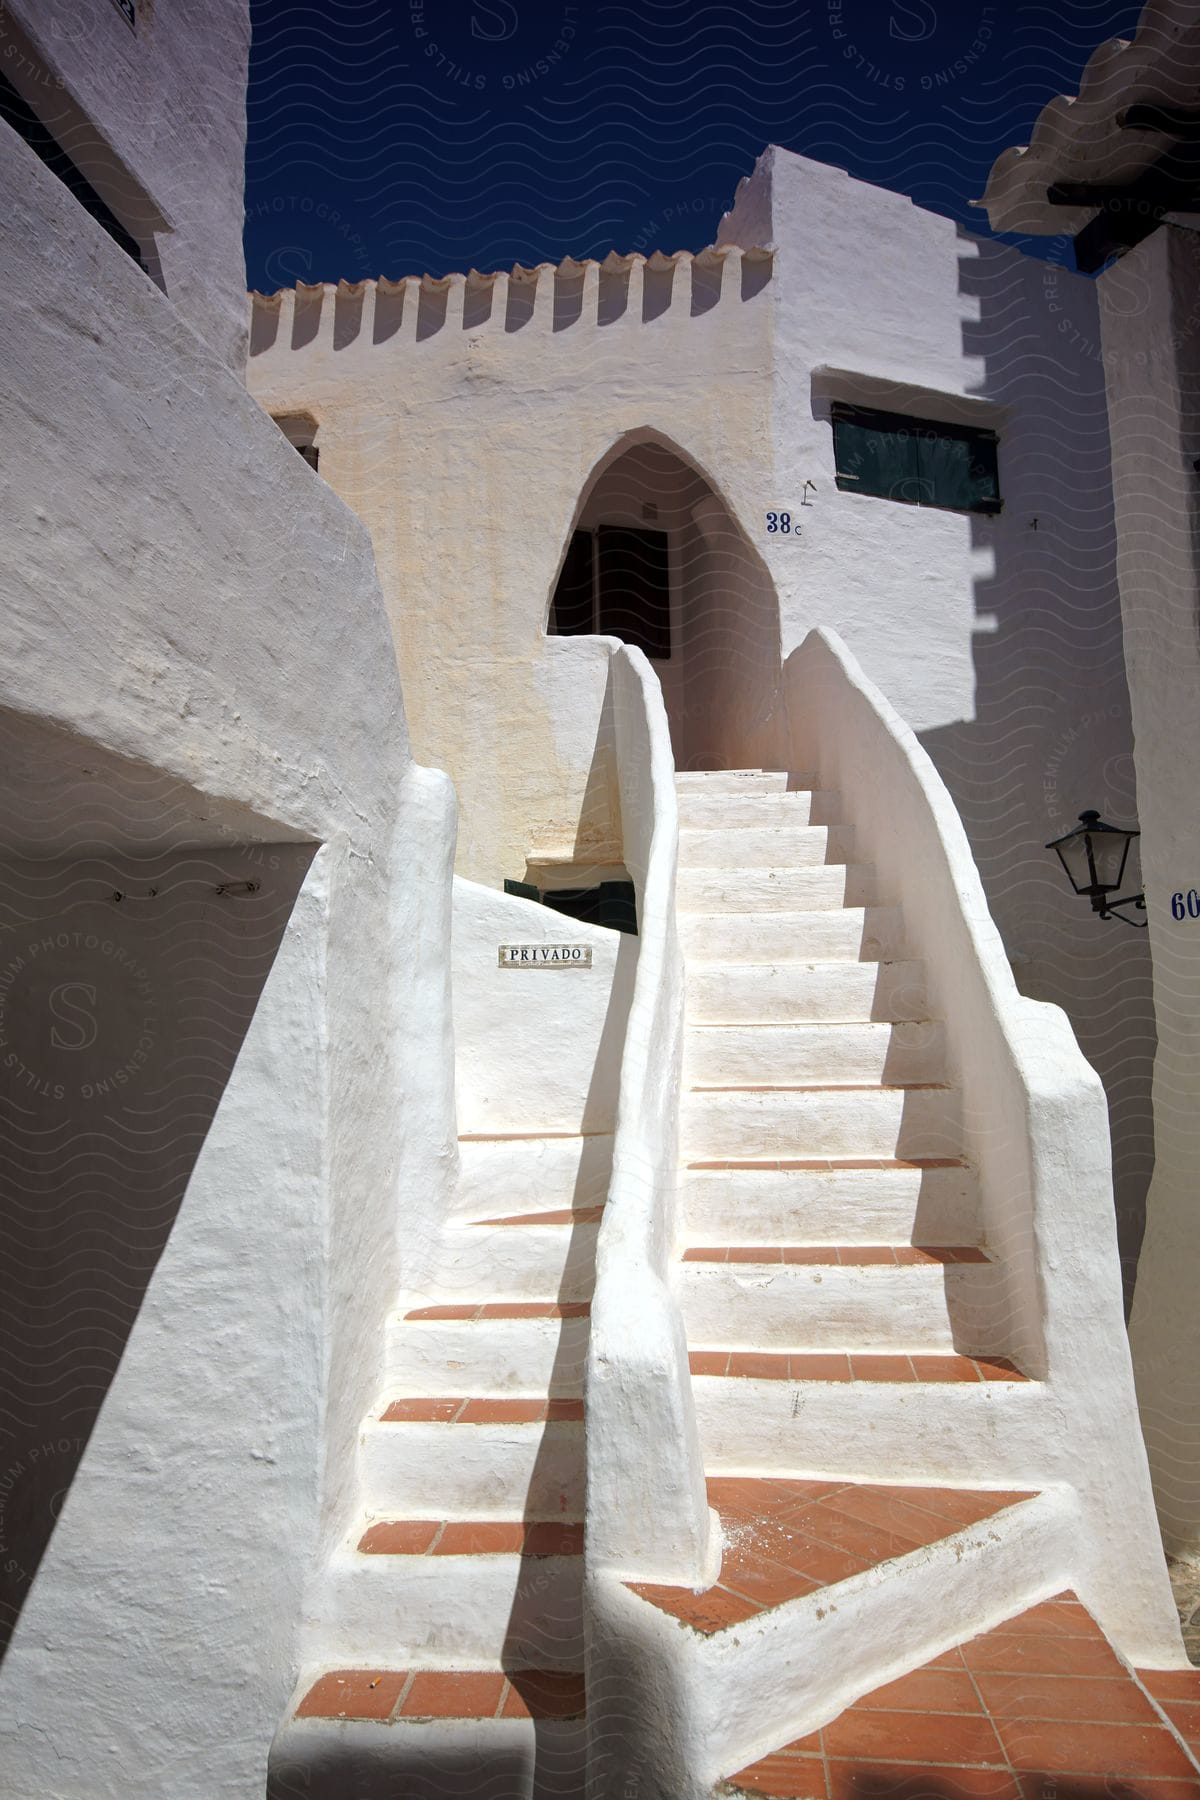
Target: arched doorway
[{"x": 657, "y": 559}]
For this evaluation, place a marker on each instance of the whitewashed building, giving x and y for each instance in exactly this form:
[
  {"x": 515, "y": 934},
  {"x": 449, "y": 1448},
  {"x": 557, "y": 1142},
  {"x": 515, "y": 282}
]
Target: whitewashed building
[{"x": 426, "y": 1295}]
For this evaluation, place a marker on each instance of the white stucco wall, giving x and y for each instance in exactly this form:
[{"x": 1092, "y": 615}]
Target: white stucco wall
[
  {"x": 1152, "y": 361},
  {"x": 156, "y": 120},
  {"x": 191, "y": 614},
  {"x": 999, "y": 638}
]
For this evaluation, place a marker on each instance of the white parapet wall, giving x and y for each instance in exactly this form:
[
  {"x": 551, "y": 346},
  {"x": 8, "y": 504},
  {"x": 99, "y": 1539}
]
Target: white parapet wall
[
  {"x": 1035, "y": 1127},
  {"x": 195, "y": 660}
]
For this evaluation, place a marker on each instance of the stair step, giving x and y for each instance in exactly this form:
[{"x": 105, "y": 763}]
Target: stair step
[
  {"x": 862, "y": 1053},
  {"x": 513, "y": 1260},
  {"x": 701, "y": 809},
  {"x": 847, "y": 1366},
  {"x": 522, "y": 1349},
  {"x": 846, "y": 1256},
  {"x": 518, "y": 1175},
  {"x": 1040, "y": 1704},
  {"x": 777, "y": 847},
  {"x": 394, "y": 1694},
  {"x": 865, "y": 1306},
  {"x": 822, "y": 887},
  {"x": 857, "y": 1201},
  {"x": 793, "y": 993},
  {"x": 740, "y": 781},
  {"x": 785, "y": 1539},
  {"x": 847, "y": 934},
  {"x": 486, "y": 1457},
  {"x": 893, "y": 1121}
]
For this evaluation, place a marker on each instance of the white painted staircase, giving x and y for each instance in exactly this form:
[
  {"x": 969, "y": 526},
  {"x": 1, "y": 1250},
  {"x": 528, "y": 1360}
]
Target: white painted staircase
[
  {"x": 839, "y": 1303},
  {"x": 453, "y": 1663}
]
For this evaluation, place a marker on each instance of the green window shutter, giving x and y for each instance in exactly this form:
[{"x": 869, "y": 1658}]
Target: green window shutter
[{"x": 920, "y": 462}]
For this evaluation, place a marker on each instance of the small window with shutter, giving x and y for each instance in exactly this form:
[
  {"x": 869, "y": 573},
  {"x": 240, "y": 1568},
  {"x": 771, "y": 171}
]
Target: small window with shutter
[{"x": 921, "y": 462}]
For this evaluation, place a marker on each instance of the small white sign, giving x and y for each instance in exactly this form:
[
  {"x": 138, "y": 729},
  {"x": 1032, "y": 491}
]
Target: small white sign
[{"x": 545, "y": 956}]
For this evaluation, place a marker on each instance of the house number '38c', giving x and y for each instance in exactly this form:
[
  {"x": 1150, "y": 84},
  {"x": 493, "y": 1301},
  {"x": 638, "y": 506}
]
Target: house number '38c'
[
  {"x": 782, "y": 521},
  {"x": 1185, "y": 906}
]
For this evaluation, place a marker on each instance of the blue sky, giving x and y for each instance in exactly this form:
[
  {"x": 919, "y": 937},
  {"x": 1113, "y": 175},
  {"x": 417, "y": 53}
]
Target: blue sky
[{"x": 399, "y": 137}]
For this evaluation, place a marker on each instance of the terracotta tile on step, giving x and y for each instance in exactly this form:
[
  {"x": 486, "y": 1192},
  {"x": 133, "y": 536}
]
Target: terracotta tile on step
[
  {"x": 1185, "y": 1717},
  {"x": 927, "y": 1691},
  {"x": 422, "y": 1412},
  {"x": 1073, "y": 1698},
  {"x": 805, "y": 1746},
  {"x": 453, "y": 1694},
  {"x": 759, "y": 1365},
  {"x": 707, "y": 1612},
  {"x": 1062, "y": 1616},
  {"x": 838, "y": 1531},
  {"x": 708, "y": 1362},
  {"x": 945, "y": 1368},
  {"x": 706, "y": 1253},
  {"x": 880, "y": 1368},
  {"x": 998, "y": 1368},
  {"x": 544, "y": 1694},
  {"x": 353, "y": 1694},
  {"x": 563, "y": 1411},
  {"x": 483, "y": 1537},
  {"x": 816, "y": 1255},
  {"x": 898, "y": 1515},
  {"x": 820, "y": 1366},
  {"x": 825, "y": 1564},
  {"x": 443, "y": 1312},
  {"x": 783, "y": 1777},
  {"x": 767, "y": 1583},
  {"x": 399, "y": 1537},
  {"x": 904, "y": 1781},
  {"x": 1128, "y": 1751},
  {"x": 519, "y": 1309},
  {"x": 866, "y": 1255},
  {"x": 914, "y": 1737},
  {"x": 503, "y": 1412},
  {"x": 963, "y": 1506},
  {"x": 553, "y": 1537}
]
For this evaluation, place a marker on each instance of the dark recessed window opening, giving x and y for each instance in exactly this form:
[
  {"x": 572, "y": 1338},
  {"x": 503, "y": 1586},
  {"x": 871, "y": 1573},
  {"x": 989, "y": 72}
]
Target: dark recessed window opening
[
  {"x": 300, "y": 430},
  {"x": 922, "y": 462},
  {"x": 616, "y": 581},
  {"x": 609, "y": 903},
  {"x": 25, "y": 122}
]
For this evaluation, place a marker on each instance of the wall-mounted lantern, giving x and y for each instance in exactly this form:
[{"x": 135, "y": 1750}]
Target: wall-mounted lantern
[{"x": 1094, "y": 857}]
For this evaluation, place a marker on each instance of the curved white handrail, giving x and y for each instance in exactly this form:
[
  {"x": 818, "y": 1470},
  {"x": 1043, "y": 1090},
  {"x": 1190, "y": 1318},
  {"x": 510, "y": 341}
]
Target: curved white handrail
[{"x": 647, "y": 1514}]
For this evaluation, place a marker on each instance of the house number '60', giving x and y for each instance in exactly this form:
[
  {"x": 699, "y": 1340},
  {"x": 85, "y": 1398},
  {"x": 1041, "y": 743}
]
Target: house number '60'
[{"x": 1186, "y": 905}]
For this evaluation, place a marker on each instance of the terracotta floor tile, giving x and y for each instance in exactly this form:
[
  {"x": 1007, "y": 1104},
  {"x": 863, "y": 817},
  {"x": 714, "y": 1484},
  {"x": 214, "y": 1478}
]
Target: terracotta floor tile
[
  {"x": 824, "y": 1564},
  {"x": 901, "y": 1518},
  {"x": 563, "y": 1411},
  {"x": 914, "y": 1737},
  {"x": 544, "y": 1694},
  {"x": 998, "y": 1368},
  {"x": 1009, "y": 1653},
  {"x": 1072, "y": 1698},
  {"x": 811, "y": 1745},
  {"x": 453, "y": 1694},
  {"x": 353, "y": 1694},
  {"x": 964, "y": 1506},
  {"x": 926, "y": 1690},
  {"x": 767, "y": 1584},
  {"x": 442, "y": 1312},
  {"x": 1185, "y": 1717},
  {"x": 708, "y": 1362},
  {"x": 708, "y": 1612},
  {"x": 903, "y": 1781},
  {"x": 784, "y": 1777},
  {"x": 867, "y": 1255},
  {"x": 422, "y": 1412},
  {"x": 875, "y": 1544},
  {"x": 399, "y": 1537},
  {"x": 1172, "y": 1684},
  {"x": 1060, "y": 1617},
  {"x": 1037, "y": 1746}
]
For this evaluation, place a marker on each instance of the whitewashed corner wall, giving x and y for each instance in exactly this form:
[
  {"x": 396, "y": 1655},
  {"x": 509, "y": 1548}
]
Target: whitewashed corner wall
[
  {"x": 517, "y": 390},
  {"x": 998, "y": 638},
  {"x": 156, "y": 121},
  {"x": 193, "y": 619},
  {"x": 1151, "y": 326}
]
